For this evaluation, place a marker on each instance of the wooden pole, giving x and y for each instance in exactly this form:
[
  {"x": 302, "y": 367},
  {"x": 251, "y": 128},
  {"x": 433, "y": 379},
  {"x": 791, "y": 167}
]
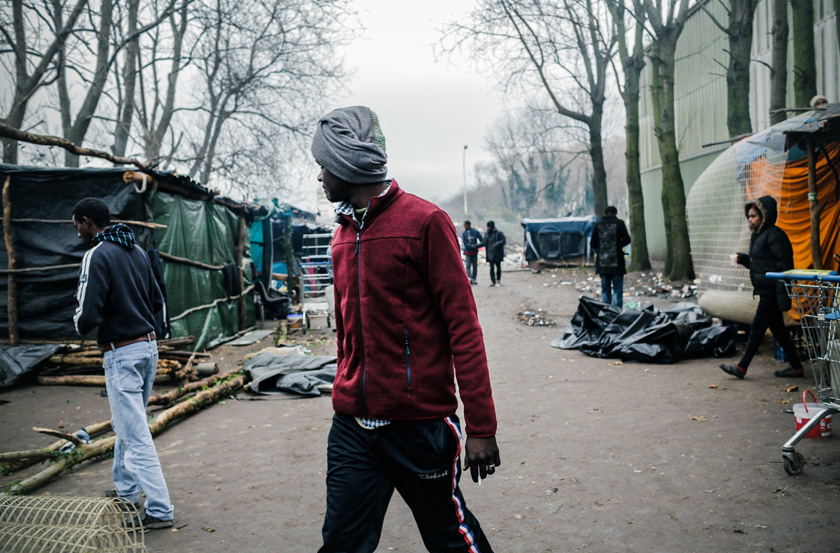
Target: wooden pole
[
  {"x": 14, "y": 338},
  {"x": 240, "y": 254},
  {"x": 816, "y": 206}
]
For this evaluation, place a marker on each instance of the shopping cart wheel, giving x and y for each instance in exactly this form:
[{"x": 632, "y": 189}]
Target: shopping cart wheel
[{"x": 794, "y": 464}]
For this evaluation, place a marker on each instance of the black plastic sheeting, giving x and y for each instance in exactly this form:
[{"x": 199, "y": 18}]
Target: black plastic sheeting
[
  {"x": 271, "y": 373},
  {"x": 17, "y": 361},
  {"x": 650, "y": 335},
  {"x": 46, "y": 301}
]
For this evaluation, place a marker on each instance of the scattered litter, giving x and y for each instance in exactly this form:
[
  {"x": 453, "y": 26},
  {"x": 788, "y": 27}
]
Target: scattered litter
[
  {"x": 698, "y": 418},
  {"x": 713, "y": 386},
  {"x": 790, "y": 389},
  {"x": 250, "y": 338},
  {"x": 535, "y": 318},
  {"x": 211, "y": 530}
]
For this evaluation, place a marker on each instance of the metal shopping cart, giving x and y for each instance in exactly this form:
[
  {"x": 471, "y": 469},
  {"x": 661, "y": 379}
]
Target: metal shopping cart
[{"x": 816, "y": 296}]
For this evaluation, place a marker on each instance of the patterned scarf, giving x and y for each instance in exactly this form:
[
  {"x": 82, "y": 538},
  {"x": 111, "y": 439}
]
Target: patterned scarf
[{"x": 119, "y": 234}]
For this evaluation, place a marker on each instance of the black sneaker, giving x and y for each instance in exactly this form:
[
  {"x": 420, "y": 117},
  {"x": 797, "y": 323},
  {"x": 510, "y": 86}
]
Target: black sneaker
[
  {"x": 734, "y": 370},
  {"x": 790, "y": 372},
  {"x": 152, "y": 523}
]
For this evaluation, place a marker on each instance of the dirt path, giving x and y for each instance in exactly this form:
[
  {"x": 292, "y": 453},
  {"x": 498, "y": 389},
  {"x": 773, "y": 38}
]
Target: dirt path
[{"x": 596, "y": 456}]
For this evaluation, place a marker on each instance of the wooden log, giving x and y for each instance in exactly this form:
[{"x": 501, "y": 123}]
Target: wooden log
[
  {"x": 49, "y": 451},
  {"x": 58, "y": 434},
  {"x": 11, "y": 281},
  {"x": 240, "y": 253},
  {"x": 169, "y": 397},
  {"x": 185, "y": 261},
  {"x": 104, "y": 446},
  {"x": 815, "y": 205},
  {"x": 89, "y": 380},
  {"x": 34, "y": 455}
]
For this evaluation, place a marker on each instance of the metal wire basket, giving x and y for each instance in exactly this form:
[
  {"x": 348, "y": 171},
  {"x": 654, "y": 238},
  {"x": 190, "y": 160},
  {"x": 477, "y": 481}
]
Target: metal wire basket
[{"x": 41, "y": 524}]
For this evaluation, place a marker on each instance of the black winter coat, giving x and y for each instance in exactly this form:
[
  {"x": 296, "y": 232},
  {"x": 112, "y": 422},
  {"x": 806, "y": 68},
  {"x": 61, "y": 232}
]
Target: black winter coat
[
  {"x": 770, "y": 251},
  {"x": 494, "y": 245},
  {"x": 609, "y": 236}
]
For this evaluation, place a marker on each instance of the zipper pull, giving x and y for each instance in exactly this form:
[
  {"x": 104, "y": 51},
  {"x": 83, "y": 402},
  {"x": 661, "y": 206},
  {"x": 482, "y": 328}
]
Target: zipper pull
[
  {"x": 405, "y": 331},
  {"x": 358, "y": 238}
]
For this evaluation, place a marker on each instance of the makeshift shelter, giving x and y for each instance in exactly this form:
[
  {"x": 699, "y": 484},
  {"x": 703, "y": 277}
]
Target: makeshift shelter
[
  {"x": 797, "y": 162},
  {"x": 559, "y": 241},
  {"x": 199, "y": 238}
]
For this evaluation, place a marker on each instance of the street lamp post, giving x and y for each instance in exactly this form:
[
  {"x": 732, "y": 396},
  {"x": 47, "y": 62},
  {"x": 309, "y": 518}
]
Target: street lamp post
[{"x": 465, "y": 179}]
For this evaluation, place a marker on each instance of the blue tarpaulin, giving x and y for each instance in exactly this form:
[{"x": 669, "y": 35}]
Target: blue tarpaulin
[{"x": 557, "y": 239}]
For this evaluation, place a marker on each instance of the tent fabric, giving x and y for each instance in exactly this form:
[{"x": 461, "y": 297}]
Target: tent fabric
[
  {"x": 17, "y": 361},
  {"x": 794, "y": 207},
  {"x": 46, "y": 300},
  {"x": 43, "y": 235},
  {"x": 271, "y": 373},
  {"x": 206, "y": 232},
  {"x": 557, "y": 239}
]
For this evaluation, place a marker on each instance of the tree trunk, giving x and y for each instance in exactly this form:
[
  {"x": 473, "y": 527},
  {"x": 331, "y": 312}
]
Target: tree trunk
[
  {"x": 132, "y": 53},
  {"x": 84, "y": 117},
  {"x": 804, "y": 53},
  {"x": 639, "y": 258},
  {"x": 678, "y": 264},
  {"x": 778, "y": 73},
  {"x": 599, "y": 172},
  {"x": 740, "y": 33},
  {"x": 11, "y": 279}
]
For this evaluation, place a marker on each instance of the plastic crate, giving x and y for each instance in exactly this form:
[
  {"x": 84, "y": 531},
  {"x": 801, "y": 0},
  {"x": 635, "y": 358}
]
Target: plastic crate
[{"x": 799, "y": 344}]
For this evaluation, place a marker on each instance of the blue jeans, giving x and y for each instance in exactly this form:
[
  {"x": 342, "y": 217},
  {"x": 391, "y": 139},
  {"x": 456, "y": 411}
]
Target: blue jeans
[
  {"x": 129, "y": 376},
  {"x": 471, "y": 265},
  {"x": 616, "y": 282}
]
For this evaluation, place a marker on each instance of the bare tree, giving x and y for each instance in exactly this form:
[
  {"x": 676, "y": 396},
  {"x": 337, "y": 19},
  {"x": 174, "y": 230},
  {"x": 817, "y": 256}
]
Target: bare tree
[
  {"x": 778, "y": 71},
  {"x": 739, "y": 32},
  {"x": 667, "y": 23},
  {"x": 632, "y": 63},
  {"x": 562, "y": 49},
  {"x": 33, "y": 41},
  {"x": 265, "y": 67},
  {"x": 92, "y": 77},
  {"x": 161, "y": 61}
]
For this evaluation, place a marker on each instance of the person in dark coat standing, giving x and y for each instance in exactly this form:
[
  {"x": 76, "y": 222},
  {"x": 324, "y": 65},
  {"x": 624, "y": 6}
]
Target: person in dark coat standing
[
  {"x": 471, "y": 239},
  {"x": 770, "y": 251},
  {"x": 494, "y": 246},
  {"x": 609, "y": 236}
]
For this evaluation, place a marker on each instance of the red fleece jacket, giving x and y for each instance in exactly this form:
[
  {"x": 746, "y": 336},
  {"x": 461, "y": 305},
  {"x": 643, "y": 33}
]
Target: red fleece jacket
[{"x": 406, "y": 319}]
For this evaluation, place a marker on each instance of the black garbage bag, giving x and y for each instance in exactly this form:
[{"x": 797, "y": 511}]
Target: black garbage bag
[
  {"x": 588, "y": 323},
  {"x": 717, "y": 341},
  {"x": 681, "y": 331}
]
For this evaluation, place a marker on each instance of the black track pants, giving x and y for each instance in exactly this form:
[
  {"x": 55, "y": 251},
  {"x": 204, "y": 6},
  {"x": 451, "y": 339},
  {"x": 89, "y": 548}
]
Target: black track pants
[
  {"x": 420, "y": 459},
  {"x": 767, "y": 315}
]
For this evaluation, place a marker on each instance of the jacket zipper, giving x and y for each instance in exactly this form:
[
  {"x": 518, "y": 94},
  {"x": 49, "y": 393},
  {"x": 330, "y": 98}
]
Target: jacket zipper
[
  {"x": 407, "y": 360},
  {"x": 361, "y": 326}
]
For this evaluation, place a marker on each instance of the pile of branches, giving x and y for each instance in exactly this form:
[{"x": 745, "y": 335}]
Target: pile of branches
[{"x": 81, "y": 364}]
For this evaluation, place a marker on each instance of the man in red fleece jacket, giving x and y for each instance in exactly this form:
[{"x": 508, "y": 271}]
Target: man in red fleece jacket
[{"x": 407, "y": 327}]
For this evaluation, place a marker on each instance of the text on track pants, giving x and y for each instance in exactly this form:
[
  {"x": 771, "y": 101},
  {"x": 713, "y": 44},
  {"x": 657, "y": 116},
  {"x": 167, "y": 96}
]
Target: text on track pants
[{"x": 420, "y": 459}]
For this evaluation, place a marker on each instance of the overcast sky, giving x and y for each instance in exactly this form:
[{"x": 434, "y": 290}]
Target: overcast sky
[{"x": 428, "y": 110}]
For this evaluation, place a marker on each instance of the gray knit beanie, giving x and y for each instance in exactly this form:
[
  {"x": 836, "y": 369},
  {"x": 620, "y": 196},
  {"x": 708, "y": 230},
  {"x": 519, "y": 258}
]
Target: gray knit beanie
[{"x": 349, "y": 144}]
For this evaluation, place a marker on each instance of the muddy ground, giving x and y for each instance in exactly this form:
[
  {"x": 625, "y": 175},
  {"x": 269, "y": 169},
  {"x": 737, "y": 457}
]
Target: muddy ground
[{"x": 596, "y": 456}]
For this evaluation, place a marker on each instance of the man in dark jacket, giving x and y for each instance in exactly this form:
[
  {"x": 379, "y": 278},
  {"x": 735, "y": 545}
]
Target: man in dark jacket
[
  {"x": 406, "y": 323},
  {"x": 494, "y": 247},
  {"x": 471, "y": 240},
  {"x": 118, "y": 294},
  {"x": 770, "y": 251},
  {"x": 609, "y": 236}
]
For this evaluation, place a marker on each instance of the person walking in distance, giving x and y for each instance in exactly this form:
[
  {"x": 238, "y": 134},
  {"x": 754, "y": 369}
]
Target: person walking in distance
[
  {"x": 494, "y": 247},
  {"x": 118, "y": 295},
  {"x": 406, "y": 326},
  {"x": 471, "y": 240},
  {"x": 609, "y": 236},
  {"x": 770, "y": 251}
]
